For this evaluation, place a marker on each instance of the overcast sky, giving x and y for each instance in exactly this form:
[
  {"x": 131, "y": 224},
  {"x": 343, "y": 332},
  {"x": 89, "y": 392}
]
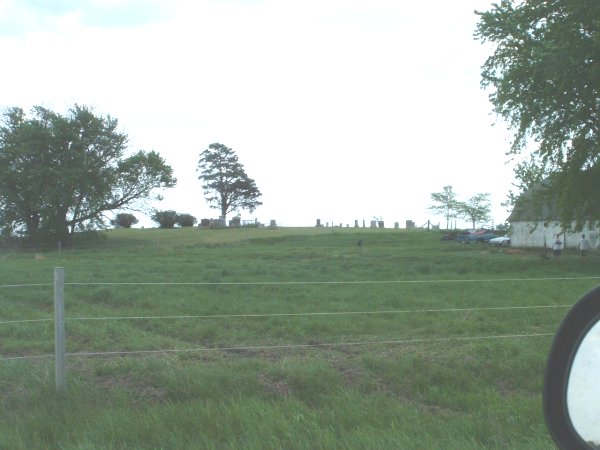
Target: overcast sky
[{"x": 340, "y": 110}]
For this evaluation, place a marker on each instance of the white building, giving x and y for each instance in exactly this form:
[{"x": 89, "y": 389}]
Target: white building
[
  {"x": 535, "y": 225},
  {"x": 537, "y": 233}
]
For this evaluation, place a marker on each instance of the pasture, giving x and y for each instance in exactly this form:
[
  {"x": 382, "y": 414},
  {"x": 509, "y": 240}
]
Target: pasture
[{"x": 282, "y": 339}]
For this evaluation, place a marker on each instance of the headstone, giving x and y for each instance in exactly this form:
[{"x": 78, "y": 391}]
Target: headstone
[
  {"x": 273, "y": 224},
  {"x": 217, "y": 223},
  {"x": 319, "y": 223}
]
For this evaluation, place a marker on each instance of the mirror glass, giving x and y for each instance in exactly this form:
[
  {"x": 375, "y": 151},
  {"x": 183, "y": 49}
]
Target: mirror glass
[{"x": 583, "y": 391}]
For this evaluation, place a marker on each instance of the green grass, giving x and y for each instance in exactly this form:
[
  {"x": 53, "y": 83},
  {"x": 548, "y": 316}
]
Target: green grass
[{"x": 257, "y": 334}]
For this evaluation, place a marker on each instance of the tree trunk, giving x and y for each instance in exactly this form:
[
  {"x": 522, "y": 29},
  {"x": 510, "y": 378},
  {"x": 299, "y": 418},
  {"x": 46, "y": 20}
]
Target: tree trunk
[
  {"x": 32, "y": 225},
  {"x": 61, "y": 230}
]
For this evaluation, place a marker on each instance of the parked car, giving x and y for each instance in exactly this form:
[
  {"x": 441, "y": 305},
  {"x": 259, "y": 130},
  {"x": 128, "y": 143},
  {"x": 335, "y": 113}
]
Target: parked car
[
  {"x": 478, "y": 236},
  {"x": 500, "y": 241}
]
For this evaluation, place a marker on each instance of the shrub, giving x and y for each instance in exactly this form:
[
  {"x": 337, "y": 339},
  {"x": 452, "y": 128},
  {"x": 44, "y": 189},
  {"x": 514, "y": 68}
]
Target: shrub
[
  {"x": 186, "y": 220},
  {"x": 124, "y": 220},
  {"x": 165, "y": 219}
]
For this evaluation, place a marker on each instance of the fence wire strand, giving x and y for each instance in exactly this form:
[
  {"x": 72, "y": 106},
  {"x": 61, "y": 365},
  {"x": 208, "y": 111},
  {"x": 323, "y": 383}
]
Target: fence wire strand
[
  {"x": 292, "y": 283},
  {"x": 288, "y": 346},
  {"x": 305, "y": 314},
  {"x": 312, "y": 314}
]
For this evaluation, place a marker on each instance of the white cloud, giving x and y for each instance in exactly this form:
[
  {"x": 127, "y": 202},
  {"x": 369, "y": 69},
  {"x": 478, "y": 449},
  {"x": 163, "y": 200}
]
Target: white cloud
[{"x": 21, "y": 17}]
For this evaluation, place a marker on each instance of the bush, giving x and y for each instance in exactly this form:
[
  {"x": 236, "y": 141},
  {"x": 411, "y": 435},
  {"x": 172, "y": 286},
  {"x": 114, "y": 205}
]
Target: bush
[
  {"x": 124, "y": 220},
  {"x": 165, "y": 219},
  {"x": 186, "y": 220}
]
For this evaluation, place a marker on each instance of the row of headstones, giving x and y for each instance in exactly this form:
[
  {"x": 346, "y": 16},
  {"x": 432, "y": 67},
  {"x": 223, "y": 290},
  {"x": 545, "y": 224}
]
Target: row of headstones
[
  {"x": 236, "y": 222},
  {"x": 373, "y": 224}
]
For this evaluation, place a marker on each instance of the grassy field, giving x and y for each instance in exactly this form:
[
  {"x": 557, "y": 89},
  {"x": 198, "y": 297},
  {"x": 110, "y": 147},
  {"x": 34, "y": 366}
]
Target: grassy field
[{"x": 282, "y": 339}]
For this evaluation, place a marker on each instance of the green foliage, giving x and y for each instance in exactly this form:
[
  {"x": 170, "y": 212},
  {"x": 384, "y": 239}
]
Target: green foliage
[
  {"x": 60, "y": 174},
  {"x": 476, "y": 209},
  {"x": 445, "y": 204},
  {"x": 170, "y": 218},
  {"x": 186, "y": 220},
  {"x": 224, "y": 180},
  {"x": 503, "y": 227},
  {"x": 165, "y": 219},
  {"x": 545, "y": 80},
  {"x": 124, "y": 220},
  {"x": 529, "y": 174}
]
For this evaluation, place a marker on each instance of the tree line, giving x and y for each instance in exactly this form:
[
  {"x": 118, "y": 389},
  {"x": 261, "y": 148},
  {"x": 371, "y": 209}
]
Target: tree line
[{"x": 60, "y": 174}]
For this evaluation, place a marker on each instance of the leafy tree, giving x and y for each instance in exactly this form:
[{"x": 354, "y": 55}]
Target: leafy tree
[
  {"x": 529, "y": 174},
  {"x": 477, "y": 209},
  {"x": 186, "y": 220},
  {"x": 545, "y": 78},
  {"x": 165, "y": 219},
  {"x": 224, "y": 180},
  {"x": 124, "y": 220},
  {"x": 446, "y": 204},
  {"x": 61, "y": 173}
]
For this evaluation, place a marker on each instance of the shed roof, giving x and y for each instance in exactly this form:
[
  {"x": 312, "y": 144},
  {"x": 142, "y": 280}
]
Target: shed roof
[{"x": 535, "y": 204}]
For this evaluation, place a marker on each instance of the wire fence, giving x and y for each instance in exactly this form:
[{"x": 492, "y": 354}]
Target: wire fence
[
  {"x": 298, "y": 283},
  {"x": 59, "y": 317},
  {"x": 305, "y": 314}
]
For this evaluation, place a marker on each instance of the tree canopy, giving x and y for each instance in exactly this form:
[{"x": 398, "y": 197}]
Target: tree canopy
[
  {"x": 60, "y": 173},
  {"x": 544, "y": 73},
  {"x": 476, "y": 209},
  {"x": 529, "y": 175},
  {"x": 445, "y": 204},
  {"x": 224, "y": 180}
]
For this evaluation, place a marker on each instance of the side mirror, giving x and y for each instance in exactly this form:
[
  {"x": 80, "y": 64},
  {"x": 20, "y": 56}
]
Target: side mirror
[{"x": 571, "y": 392}]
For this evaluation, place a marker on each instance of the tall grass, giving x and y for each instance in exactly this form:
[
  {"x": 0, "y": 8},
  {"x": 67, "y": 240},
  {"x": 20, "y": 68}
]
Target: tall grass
[{"x": 287, "y": 338}]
